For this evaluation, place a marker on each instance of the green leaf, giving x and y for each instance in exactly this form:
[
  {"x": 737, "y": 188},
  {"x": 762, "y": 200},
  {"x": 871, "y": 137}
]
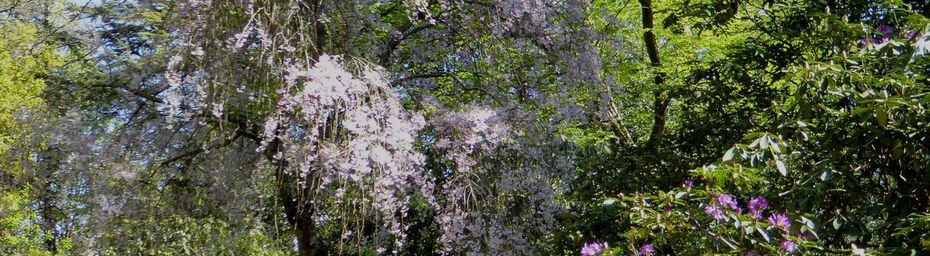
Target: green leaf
[
  {"x": 609, "y": 201},
  {"x": 882, "y": 116},
  {"x": 781, "y": 167},
  {"x": 808, "y": 222},
  {"x": 826, "y": 175},
  {"x": 764, "y": 234},
  {"x": 729, "y": 154}
]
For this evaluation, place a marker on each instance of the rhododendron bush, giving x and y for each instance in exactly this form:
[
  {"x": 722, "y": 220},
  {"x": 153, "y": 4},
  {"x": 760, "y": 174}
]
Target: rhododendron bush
[{"x": 464, "y": 127}]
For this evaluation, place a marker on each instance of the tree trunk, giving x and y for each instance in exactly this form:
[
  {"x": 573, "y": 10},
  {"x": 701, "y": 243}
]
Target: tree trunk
[
  {"x": 298, "y": 209},
  {"x": 48, "y": 210},
  {"x": 660, "y": 106}
]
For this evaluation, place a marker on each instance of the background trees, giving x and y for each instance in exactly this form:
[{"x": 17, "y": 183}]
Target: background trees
[{"x": 463, "y": 127}]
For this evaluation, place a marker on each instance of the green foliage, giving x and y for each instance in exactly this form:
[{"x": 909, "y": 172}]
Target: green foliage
[
  {"x": 176, "y": 235},
  {"x": 818, "y": 108},
  {"x": 20, "y": 234},
  {"x": 24, "y": 60},
  {"x": 23, "y": 63}
]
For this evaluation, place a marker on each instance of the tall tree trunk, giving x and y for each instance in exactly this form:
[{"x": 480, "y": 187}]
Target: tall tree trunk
[
  {"x": 48, "y": 211},
  {"x": 297, "y": 208},
  {"x": 660, "y": 106}
]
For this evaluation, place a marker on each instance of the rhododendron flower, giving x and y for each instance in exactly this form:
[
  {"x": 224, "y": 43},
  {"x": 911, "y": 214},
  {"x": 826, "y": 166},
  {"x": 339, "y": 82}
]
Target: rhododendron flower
[
  {"x": 591, "y": 249},
  {"x": 750, "y": 254},
  {"x": 728, "y": 201},
  {"x": 755, "y": 214},
  {"x": 789, "y": 246},
  {"x": 689, "y": 183},
  {"x": 885, "y": 29},
  {"x": 780, "y": 221},
  {"x": 912, "y": 35},
  {"x": 714, "y": 212},
  {"x": 646, "y": 249},
  {"x": 756, "y": 205}
]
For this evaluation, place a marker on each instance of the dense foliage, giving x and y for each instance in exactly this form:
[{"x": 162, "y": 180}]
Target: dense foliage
[{"x": 464, "y": 127}]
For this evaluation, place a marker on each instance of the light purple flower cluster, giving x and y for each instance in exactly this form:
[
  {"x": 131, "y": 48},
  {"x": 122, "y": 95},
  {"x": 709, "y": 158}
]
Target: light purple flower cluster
[
  {"x": 885, "y": 33},
  {"x": 646, "y": 249},
  {"x": 724, "y": 201},
  {"x": 714, "y": 212},
  {"x": 591, "y": 249},
  {"x": 789, "y": 246},
  {"x": 756, "y": 206},
  {"x": 780, "y": 221},
  {"x": 728, "y": 201}
]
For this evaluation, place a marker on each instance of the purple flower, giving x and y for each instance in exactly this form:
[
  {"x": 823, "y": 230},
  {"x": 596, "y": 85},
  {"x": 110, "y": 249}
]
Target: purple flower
[
  {"x": 750, "y": 254},
  {"x": 756, "y": 205},
  {"x": 689, "y": 183},
  {"x": 913, "y": 35},
  {"x": 714, "y": 212},
  {"x": 755, "y": 214},
  {"x": 591, "y": 249},
  {"x": 885, "y": 29},
  {"x": 728, "y": 201},
  {"x": 789, "y": 246},
  {"x": 780, "y": 221},
  {"x": 646, "y": 249}
]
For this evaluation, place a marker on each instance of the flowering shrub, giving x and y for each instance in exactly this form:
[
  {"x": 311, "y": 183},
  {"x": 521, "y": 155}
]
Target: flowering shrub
[
  {"x": 701, "y": 216},
  {"x": 700, "y": 220}
]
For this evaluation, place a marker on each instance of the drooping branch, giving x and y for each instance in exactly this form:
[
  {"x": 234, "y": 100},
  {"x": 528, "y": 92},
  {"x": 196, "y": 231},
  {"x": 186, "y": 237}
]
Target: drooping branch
[
  {"x": 409, "y": 30},
  {"x": 660, "y": 106}
]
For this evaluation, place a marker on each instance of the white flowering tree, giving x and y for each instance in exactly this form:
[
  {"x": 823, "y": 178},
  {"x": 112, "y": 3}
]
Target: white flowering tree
[{"x": 358, "y": 127}]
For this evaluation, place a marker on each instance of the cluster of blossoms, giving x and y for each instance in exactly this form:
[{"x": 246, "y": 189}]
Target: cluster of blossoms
[
  {"x": 597, "y": 248},
  {"x": 756, "y": 206},
  {"x": 646, "y": 249},
  {"x": 345, "y": 134},
  {"x": 498, "y": 198},
  {"x": 726, "y": 202},
  {"x": 729, "y": 202},
  {"x": 592, "y": 249},
  {"x": 884, "y": 34},
  {"x": 479, "y": 130}
]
